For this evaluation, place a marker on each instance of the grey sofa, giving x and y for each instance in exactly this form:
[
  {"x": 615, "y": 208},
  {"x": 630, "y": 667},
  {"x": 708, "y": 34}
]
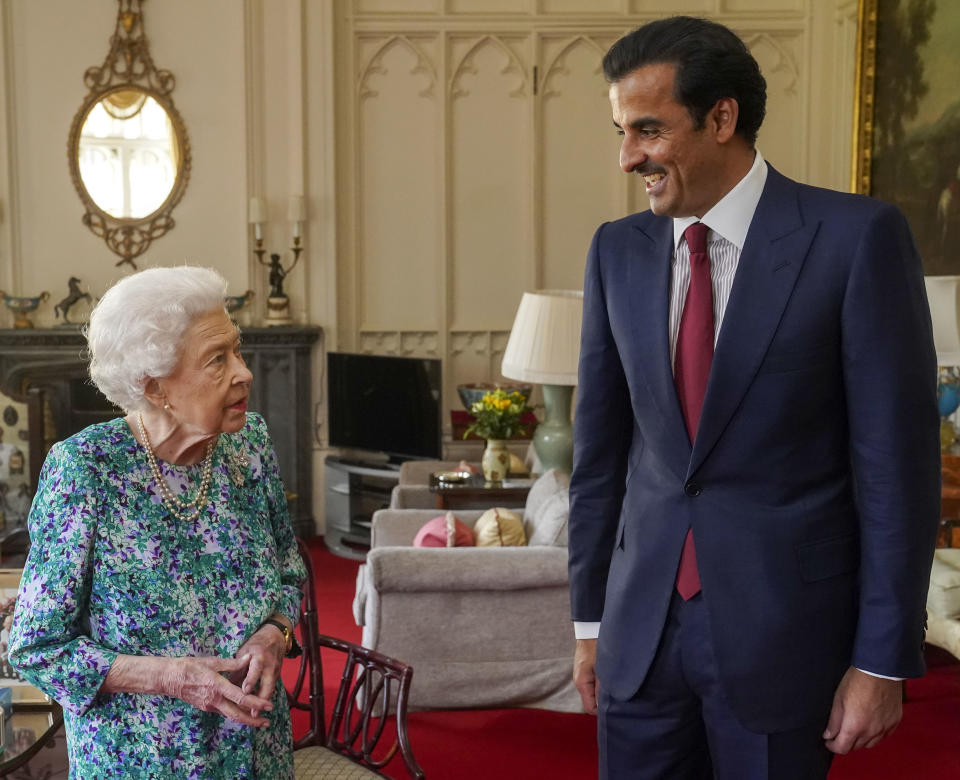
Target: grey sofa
[
  {"x": 482, "y": 627},
  {"x": 943, "y": 601}
]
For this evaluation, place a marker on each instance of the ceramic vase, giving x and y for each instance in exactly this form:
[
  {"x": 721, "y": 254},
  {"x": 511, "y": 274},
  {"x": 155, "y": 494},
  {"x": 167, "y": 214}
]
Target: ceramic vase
[{"x": 495, "y": 461}]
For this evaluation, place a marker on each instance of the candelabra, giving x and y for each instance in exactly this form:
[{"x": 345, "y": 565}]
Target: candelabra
[{"x": 278, "y": 304}]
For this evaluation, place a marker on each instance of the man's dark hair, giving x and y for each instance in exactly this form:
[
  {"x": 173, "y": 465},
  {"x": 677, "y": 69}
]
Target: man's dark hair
[{"x": 711, "y": 62}]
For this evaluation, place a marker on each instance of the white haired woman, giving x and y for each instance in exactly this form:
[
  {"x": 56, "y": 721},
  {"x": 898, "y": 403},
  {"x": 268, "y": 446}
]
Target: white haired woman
[{"x": 163, "y": 581}]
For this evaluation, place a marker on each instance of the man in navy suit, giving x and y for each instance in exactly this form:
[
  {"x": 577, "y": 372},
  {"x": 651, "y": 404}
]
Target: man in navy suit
[{"x": 756, "y": 483}]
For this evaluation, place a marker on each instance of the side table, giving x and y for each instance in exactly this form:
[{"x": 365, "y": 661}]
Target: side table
[
  {"x": 949, "y": 535},
  {"x": 27, "y": 732},
  {"x": 476, "y": 493}
]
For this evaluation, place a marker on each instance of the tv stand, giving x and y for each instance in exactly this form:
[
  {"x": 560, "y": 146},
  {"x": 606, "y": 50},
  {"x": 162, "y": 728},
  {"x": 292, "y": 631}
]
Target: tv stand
[{"x": 354, "y": 491}]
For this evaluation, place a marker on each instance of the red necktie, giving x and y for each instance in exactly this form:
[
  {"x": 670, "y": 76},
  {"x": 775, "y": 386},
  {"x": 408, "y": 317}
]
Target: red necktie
[{"x": 692, "y": 369}]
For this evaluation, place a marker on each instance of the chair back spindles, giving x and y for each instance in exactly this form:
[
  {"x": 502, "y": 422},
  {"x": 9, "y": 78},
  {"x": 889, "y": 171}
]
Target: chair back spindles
[{"x": 372, "y": 686}]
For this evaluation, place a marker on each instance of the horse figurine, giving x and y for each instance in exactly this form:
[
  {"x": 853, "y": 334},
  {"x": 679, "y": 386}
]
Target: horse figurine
[{"x": 75, "y": 295}]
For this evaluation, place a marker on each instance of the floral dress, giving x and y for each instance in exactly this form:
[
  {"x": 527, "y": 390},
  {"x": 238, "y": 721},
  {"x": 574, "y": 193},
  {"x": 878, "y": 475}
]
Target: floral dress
[{"x": 111, "y": 571}]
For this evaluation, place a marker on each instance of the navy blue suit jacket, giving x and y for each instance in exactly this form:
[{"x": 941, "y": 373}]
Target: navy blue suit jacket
[{"x": 813, "y": 485}]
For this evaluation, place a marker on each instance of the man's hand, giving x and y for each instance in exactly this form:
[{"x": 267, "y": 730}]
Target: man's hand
[
  {"x": 865, "y": 710},
  {"x": 200, "y": 682},
  {"x": 584, "y": 659}
]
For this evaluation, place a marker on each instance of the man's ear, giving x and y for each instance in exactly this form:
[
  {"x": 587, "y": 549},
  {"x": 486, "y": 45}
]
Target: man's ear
[
  {"x": 154, "y": 393},
  {"x": 722, "y": 119}
]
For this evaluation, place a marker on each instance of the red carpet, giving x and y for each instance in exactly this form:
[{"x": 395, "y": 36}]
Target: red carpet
[{"x": 523, "y": 744}]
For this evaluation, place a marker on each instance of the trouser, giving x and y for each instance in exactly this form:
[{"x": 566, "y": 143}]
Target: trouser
[{"x": 679, "y": 725}]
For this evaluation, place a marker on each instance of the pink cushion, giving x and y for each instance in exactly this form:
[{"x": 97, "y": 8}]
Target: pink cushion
[{"x": 444, "y": 531}]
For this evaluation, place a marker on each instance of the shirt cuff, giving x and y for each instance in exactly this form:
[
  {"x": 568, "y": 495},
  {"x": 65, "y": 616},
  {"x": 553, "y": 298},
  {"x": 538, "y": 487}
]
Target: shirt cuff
[
  {"x": 583, "y": 630},
  {"x": 881, "y": 676}
]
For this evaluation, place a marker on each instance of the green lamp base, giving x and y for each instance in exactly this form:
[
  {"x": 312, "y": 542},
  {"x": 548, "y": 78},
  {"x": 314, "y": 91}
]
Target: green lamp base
[{"x": 553, "y": 439}]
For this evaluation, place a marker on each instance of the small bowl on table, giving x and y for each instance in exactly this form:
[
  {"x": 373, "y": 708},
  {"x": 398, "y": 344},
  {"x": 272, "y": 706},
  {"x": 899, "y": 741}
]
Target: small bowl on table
[{"x": 473, "y": 392}]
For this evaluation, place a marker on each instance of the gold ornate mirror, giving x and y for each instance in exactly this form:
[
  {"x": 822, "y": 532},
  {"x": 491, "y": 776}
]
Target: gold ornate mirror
[{"x": 128, "y": 151}]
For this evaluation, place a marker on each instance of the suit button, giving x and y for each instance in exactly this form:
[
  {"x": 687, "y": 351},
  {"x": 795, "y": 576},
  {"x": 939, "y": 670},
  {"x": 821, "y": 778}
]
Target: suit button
[{"x": 692, "y": 489}]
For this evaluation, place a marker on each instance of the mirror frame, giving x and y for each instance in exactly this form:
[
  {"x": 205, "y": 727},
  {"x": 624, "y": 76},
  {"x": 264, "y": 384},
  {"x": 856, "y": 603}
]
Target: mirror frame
[{"x": 128, "y": 65}]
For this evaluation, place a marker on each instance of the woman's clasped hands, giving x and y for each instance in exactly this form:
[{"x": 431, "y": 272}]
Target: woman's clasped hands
[{"x": 201, "y": 682}]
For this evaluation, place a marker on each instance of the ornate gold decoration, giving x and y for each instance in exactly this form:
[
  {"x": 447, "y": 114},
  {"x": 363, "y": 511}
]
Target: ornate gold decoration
[
  {"x": 128, "y": 75},
  {"x": 863, "y": 106}
]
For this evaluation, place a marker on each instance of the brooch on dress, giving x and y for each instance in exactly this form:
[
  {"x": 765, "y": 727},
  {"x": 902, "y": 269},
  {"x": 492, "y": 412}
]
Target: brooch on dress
[{"x": 237, "y": 464}]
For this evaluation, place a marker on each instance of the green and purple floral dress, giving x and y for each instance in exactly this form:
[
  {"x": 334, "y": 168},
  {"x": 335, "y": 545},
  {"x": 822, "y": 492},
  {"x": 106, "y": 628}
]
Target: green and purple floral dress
[{"x": 111, "y": 571}]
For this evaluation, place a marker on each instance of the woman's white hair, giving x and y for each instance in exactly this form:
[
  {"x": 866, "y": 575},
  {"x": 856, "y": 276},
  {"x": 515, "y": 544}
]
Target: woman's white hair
[{"x": 136, "y": 330}]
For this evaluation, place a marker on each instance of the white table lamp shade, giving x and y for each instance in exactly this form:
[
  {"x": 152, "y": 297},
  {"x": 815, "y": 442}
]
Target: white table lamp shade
[
  {"x": 544, "y": 344},
  {"x": 943, "y": 294}
]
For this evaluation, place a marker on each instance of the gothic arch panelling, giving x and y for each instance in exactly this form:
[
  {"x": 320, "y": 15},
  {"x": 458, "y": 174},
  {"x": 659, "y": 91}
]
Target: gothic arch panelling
[
  {"x": 400, "y": 343},
  {"x": 399, "y": 117},
  {"x": 466, "y": 66},
  {"x": 778, "y": 58},
  {"x": 509, "y": 173},
  {"x": 375, "y": 65},
  {"x": 557, "y": 63},
  {"x": 782, "y": 136},
  {"x": 489, "y": 205},
  {"x": 581, "y": 184}
]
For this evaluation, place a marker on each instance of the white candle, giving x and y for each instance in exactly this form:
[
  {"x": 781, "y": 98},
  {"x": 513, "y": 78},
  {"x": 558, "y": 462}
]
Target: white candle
[{"x": 257, "y": 231}]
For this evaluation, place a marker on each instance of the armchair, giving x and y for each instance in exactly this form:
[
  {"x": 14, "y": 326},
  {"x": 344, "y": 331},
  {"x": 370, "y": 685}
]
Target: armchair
[{"x": 485, "y": 627}]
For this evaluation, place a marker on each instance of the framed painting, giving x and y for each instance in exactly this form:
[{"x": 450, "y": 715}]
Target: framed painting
[
  {"x": 906, "y": 145},
  {"x": 23, "y": 692}
]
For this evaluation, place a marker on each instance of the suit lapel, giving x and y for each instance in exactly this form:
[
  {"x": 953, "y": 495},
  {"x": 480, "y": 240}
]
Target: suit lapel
[
  {"x": 649, "y": 290},
  {"x": 772, "y": 257}
]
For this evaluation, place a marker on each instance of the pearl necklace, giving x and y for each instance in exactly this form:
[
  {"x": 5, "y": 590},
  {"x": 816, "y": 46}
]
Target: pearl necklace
[{"x": 173, "y": 503}]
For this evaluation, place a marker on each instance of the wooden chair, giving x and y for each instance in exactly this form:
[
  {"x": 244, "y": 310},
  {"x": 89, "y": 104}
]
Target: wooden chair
[{"x": 371, "y": 686}]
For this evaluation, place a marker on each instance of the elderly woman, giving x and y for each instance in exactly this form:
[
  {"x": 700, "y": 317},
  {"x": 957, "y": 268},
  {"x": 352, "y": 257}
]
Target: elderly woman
[{"x": 163, "y": 581}]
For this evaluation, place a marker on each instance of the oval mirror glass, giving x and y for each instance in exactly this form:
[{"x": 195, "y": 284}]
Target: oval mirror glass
[{"x": 128, "y": 154}]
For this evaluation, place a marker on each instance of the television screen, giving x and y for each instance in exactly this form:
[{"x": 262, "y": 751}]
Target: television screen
[{"x": 384, "y": 404}]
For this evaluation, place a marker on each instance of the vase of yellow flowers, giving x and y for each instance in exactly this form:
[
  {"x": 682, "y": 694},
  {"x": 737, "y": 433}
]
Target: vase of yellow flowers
[{"x": 497, "y": 417}]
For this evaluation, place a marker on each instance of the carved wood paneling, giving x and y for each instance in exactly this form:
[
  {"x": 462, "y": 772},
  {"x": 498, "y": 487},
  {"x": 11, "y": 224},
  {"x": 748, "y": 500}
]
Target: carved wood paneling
[
  {"x": 400, "y": 343},
  {"x": 783, "y": 132},
  {"x": 510, "y": 171},
  {"x": 517, "y": 7},
  {"x": 762, "y": 6},
  {"x": 578, "y": 191},
  {"x": 397, "y": 6},
  {"x": 598, "y": 7},
  {"x": 703, "y": 7},
  {"x": 398, "y": 208},
  {"x": 489, "y": 207}
]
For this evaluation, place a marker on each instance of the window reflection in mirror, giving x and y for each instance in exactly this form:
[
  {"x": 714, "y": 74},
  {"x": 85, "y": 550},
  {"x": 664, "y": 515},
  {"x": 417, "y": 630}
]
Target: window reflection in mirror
[{"x": 128, "y": 154}]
